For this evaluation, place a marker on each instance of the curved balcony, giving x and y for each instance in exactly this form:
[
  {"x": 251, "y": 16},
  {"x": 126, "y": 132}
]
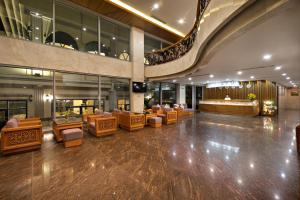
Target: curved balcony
[{"x": 212, "y": 15}]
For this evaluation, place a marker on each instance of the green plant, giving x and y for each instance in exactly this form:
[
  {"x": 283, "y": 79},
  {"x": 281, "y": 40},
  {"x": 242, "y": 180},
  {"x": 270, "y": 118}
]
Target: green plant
[{"x": 251, "y": 96}]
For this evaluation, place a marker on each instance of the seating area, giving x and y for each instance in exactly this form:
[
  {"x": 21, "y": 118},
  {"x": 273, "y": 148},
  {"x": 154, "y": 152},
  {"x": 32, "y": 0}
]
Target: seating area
[{"x": 21, "y": 135}]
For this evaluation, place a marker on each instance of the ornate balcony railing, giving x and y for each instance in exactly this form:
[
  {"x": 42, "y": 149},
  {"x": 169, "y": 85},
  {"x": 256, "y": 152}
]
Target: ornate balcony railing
[{"x": 180, "y": 48}]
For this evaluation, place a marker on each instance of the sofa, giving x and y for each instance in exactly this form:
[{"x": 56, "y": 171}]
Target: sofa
[
  {"x": 168, "y": 115},
  {"x": 131, "y": 121},
  {"x": 102, "y": 125},
  {"x": 21, "y": 135}
]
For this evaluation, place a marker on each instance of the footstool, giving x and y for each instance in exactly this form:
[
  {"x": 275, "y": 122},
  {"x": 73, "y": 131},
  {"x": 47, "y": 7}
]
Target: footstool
[
  {"x": 72, "y": 137},
  {"x": 155, "y": 122}
]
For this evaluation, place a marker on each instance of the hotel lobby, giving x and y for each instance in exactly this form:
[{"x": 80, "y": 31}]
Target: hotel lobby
[{"x": 169, "y": 99}]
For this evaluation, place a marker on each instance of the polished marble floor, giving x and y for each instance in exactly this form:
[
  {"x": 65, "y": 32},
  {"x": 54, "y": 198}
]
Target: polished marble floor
[{"x": 205, "y": 157}]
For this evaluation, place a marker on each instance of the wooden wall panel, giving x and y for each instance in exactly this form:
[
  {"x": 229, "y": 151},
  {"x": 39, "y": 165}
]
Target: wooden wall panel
[
  {"x": 264, "y": 90},
  {"x": 111, "y": 11}
]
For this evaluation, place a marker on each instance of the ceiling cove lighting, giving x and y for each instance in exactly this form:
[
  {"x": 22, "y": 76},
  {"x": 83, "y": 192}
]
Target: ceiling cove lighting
[
  {"x": 267, "y": 57},
  {"x": 146, "y": 17},
  {"x": 223, "y": 84}
]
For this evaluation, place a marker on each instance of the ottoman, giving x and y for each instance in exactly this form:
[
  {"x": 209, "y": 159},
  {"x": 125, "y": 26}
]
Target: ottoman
[
  {"x": 72, "y": 137},
  {"x": 155, "y": 122}
]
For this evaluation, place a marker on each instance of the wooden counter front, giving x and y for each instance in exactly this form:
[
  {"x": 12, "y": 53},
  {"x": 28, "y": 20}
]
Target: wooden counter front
[{"x": 230, "y": 108}]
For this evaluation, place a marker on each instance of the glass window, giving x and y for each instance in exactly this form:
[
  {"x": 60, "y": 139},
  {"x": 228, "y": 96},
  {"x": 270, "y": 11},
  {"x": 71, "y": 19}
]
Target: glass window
[
  {"x": 189, "y": 96},
  {"x": 151, "y": 44},
  {"x": 115, "y": 40},
  {"x": 115, "y": 94},
  {"x": 168, "y": 91},
  {"x": 25, "y": 92},
  {"x": 152, "y": 97},
  {"x": 76, "y": 94},
  {"x": 26, "y": 19},
  {"x": 75, "y": 29},
  {"x": 198, "y": 95}
]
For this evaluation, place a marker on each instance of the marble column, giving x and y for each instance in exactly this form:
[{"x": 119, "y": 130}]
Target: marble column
[
  {"x": 194, "y": 97},
  {"x": 180, "y": 94},
  {"x": 138, "y": 68}
]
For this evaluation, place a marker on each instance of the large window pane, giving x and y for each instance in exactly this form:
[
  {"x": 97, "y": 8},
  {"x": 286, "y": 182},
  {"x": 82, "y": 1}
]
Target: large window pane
[
  {"x": 152, "y": 97},
  {"x": 26, "y": 19},
  {"x": 168, "y": 91},
  {"x": 115, "y": 40},
  {"x": 25, "y": 93},
  {"x": 114, "y": 94},
  {"x": 76, "y": 94},
  {"x": 76, "y": 29}
]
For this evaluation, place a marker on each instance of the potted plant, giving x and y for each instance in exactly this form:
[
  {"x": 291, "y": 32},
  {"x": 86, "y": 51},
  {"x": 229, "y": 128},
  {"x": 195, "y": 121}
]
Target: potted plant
[{"x": 251, "y": 96}]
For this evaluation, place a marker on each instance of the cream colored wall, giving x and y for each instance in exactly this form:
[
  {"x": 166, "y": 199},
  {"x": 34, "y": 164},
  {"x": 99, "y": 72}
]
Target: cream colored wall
[
  {"x": 286, "y": 101},
  {"x": 30, "y": 54}
]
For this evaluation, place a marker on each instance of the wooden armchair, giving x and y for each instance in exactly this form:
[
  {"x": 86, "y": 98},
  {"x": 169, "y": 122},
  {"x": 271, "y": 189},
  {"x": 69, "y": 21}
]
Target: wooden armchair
[
  {"x": 181, "y": 112},
  {"x": 22, "y": 136},
  {"x": 168, "y": 116},
  {"x": 131, "y": 121},
  {"x": 101, "y": 125}
]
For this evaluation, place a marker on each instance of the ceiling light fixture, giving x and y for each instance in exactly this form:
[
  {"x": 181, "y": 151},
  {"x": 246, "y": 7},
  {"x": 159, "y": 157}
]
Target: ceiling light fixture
[
  {"x": 155, "y": 6},
  {"x": 267, "y": 57},
  {"x": 239, "y": 72},
  {"x": 174, "y": 81},
  {"x": 84, "y": 29},
  {"x": 146, "y": 17},
  {"x": 190, "y": 78},
  {"x": 284, "y": 74},
  {"x": 211, "y": 76},
  {"x": 278, "y": 68},
  {"x": 252, "y": 77},
  {"x": 114, "y": 38},
  {"x": 77, "y": 38},
  {"x": 37, "y": 28},
  {"x": 288, "y": 78},
  {"x": 181, "y": 21}
]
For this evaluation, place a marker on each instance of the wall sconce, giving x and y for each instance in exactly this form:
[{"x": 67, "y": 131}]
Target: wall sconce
[{"x": 48, "y": 97}]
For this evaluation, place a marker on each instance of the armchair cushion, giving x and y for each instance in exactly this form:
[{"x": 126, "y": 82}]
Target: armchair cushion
[
  {"x": 72, "y": 134},
  {"x": 12, "y": 123}
]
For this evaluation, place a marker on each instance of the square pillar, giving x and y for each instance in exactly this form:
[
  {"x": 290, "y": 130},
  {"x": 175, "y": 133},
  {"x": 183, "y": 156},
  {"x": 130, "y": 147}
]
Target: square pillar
[{"x": 138, "y": 68}]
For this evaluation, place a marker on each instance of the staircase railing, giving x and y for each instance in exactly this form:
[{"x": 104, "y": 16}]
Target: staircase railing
[{"x": 180, "y": 48}]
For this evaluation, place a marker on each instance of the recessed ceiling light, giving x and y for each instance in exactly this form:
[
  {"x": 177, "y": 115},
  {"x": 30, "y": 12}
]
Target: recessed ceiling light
[
  {"x": 155, "y": 6},
  {"x": 267, "y": 56},
  {"x": 37, "y": 28},
  {"x": 252, "y": 77},
  {"x": 211, "y": 76},
  {"x": 114, "y": 38},
  {"x": 278, "y": 68},
  {"x": 174, "y": 81},
  {"x": 77, "y": 38},
  {"x": 37, "y": 38},
  {"x": 288, "y": 78},
  {"x": 284, "y": 74},
  {"x": 181, "y": 21},
  {"x": 239, "y": 72},
  {"x": 146, "y": 17},
  {"x": 84, "y": 29},
  {"x": 190, "y": 78},
  {"x": 37, "y": 14}
]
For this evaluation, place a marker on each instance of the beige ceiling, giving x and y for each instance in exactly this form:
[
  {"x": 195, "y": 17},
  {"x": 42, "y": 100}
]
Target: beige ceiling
[
  {"x": 170, "y": 11},
  {"x": 278, "y": 35}
]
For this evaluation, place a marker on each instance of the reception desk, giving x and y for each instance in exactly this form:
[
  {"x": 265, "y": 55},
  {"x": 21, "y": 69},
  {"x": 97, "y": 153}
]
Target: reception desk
[{"x": 232, "y": 107}]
